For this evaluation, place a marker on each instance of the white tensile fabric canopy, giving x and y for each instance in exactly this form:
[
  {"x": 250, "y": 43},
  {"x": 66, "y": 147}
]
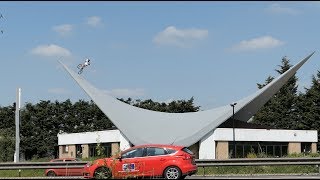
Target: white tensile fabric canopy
[{"x": 141, "y": 126}]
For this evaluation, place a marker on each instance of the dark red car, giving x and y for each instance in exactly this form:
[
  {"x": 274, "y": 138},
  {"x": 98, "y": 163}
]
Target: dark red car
[
  {"x": 152, "y": 160},
  {"x": 63, "y": 171}
]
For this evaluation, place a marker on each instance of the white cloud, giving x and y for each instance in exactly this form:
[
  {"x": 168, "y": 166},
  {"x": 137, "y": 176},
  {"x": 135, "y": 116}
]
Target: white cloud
[
  {"x": 63, "y": 29},
  {"x": 179, "y": 37},
  {"x": 277, "y": 9},
  {"x": 126, "y": 92},
  {"x": 51, "y": 50},
  {"x": 58, "y": 91},
  {"x": 263, "y": 42},
  {"x": 94, "y": 21}
]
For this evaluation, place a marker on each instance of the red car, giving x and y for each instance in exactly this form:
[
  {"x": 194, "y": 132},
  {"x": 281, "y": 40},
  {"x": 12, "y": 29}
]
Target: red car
[
  {"x": 63, "y": 171},
  {"x": 152, "y": 160}
]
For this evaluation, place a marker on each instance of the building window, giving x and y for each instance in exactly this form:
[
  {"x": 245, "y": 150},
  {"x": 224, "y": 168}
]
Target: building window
[
  {"x": 78, "y": 151},
  {"x": 261, "y": 149},
  {"x": 64, "y": 149},
  {"x": 306, "y": 147},
  {"x": 93, "y": 151}
]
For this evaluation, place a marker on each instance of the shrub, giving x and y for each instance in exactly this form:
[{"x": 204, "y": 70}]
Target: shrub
[{"x": 252, "y": 155}]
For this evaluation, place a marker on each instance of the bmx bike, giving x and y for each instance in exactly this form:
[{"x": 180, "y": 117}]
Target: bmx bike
[{"x": 80, "y": 67}]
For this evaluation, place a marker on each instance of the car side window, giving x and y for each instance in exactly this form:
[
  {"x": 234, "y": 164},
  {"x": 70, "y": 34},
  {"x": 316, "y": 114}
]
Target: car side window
[
  {"x": 67, "y": 160},
  {"x": 154, "y": 151},
  {"x": 133, "y": 153},
  {"x": 171, "y": 151}
]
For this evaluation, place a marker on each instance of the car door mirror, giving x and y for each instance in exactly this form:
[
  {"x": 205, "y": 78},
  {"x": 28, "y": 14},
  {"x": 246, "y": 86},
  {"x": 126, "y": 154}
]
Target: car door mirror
[{"x": 119, "y": 157}]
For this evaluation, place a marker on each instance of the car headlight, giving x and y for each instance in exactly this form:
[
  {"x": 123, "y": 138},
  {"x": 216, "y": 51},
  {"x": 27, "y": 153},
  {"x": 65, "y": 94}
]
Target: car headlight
[{"x": 88, "y": 164}]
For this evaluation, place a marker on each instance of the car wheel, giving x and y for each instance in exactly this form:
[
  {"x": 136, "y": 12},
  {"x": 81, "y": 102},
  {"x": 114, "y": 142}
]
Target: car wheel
[
  {"x": 51, "y": 173},
  {"x": 102, "y": 173},
  {"x": 172, "y": 172}
]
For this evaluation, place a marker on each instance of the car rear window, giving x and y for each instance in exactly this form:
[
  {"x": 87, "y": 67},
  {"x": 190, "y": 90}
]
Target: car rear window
[
  {"x": 155, "y": 151},
  {"x": 187, "y": 150},
  {"x": 171, "y": 151}
]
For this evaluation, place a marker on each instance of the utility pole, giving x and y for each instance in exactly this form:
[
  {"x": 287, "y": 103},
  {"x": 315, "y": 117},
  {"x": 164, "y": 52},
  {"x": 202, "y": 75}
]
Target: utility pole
[
  {"x": 17, "y": 120},
  {"x": 234, "y": 136}
]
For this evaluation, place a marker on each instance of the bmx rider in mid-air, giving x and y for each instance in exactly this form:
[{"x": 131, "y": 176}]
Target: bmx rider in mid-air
[{"x": 82, "y": 66}]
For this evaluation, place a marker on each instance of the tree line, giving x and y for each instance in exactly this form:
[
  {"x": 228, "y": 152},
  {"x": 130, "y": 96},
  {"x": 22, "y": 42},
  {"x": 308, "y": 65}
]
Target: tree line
[{"x": 41, "y": 122}]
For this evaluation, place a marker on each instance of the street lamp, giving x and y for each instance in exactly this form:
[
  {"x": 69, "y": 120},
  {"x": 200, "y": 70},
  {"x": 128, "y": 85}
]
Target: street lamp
[{"x": 234, "y": 141}]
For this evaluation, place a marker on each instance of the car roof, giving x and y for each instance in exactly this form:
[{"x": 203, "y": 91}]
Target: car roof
[
  {"x": 64, "y": 159},
  {"x": 159, "y": 145}
]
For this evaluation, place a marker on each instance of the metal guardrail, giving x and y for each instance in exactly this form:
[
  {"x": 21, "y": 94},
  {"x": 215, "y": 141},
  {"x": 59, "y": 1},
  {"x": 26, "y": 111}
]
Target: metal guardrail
[
  {"x": 199, "y": 162},
  {"x": 257, "y": 162},
  {"x": 42, "y": 165},
  {"x": 259, "y": 159}
]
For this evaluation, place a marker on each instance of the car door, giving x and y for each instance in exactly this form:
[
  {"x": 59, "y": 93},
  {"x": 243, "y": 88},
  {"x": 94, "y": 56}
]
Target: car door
[
  {"x": 58, "y": 171},
  {"x": 68, "y": 171},
  {"x": 129, "y": 163},
  {"x": 73, "y": 171},
  {"x": 154, "y": 161}
]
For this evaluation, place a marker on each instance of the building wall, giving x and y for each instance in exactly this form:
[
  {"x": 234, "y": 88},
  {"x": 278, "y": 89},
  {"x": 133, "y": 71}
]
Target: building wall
[
  {"x": 195, "y": 149},
  {"x": 207, "y": 143},
  {"x": 314, "y": 148},
  {"x": 272, "y": 135},
  {"x": 115, "y": 137},
  {"x": 124, "y": 142},
  {"x": 72, "y": 151},
  {"x": 61, "y": 153},
  {"x": 89, "y": 137},
  {"x": 115, "y": 148},
  {"x": 222, "y": 150},
  {"x": 294, "y": 147},
  {"x": 206, "y": 147},
  {"x": 85, "y": 150}
]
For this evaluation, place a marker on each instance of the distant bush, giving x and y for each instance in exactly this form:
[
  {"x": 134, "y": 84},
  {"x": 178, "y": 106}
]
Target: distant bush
[
  {"x": 294, "y": 155},
  {"x": 252, "y": 155}
]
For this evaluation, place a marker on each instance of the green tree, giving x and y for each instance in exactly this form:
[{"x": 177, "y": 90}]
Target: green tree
[
  {"x": 310, "y": 106},
  {"x": 7, "y": 135},
  {"x": 43, "y": 121},
  {"x": 38, "y": 131},
  {"x": 281, "y": 111},
  {"x": 176, "y": 106},
  {"x": 7, "y": 144},
  {"x": 7, "y": 116}
]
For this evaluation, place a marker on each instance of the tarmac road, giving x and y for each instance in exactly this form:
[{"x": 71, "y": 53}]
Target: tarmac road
[{"x": 262, "y": 176}]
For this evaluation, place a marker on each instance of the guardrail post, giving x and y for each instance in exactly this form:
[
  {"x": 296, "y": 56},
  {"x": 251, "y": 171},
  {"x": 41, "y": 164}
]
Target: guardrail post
[{"x": 204, "y": 171}]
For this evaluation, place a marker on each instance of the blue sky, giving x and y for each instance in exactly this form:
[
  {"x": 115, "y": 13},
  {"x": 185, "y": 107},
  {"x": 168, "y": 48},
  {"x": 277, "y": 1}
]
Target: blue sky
[{"x": 213, "y": 51}]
